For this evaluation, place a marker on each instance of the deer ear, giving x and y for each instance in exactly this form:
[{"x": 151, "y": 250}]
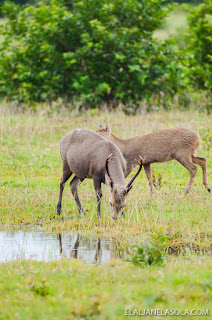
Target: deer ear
[{"x": 106, "y": 127}]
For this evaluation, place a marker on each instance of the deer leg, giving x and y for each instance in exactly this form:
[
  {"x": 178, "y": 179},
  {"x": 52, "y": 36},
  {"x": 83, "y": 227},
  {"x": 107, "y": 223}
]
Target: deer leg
[
  {"x": 188, "y": 164},
  {"x": 98, "y": 189},
  {"x": 74, "y": 251},
  {"x": 59, "y": 237},
  {"x": 203, "y": 163},
  {"x": 66, "y": 175},
  {"x": 98, "y": 255},
  {"x": 148, "y": 171},
  {"x": 74, "y": 184}
]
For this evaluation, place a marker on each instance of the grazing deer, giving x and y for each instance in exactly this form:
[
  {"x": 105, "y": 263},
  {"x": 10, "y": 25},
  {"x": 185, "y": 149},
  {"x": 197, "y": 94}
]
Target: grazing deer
[
  {"x": 160, "y": 146},
  {"x": 86, "y": 154}
]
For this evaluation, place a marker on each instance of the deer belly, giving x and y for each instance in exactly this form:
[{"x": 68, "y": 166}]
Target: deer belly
[{"x": 158, "y": 158}]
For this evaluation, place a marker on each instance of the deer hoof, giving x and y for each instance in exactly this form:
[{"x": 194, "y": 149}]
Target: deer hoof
[{"x": 209, "y": 190}]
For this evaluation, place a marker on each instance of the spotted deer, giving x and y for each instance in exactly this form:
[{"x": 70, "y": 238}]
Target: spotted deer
[{"x": 160, "y": 146}]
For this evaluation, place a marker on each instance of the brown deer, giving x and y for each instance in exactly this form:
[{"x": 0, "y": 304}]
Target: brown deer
[
  {"x": 160, "y": 146},
  {"x": 86, "y": 154}
]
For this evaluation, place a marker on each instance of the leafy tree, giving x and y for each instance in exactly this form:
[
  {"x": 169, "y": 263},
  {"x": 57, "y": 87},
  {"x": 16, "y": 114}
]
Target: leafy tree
[
  {"x": 200, "y": 46},
  {"x": 19, "y": 2},
  {"x": 88, "y": 50},
  {"x": 186, "y": 1}
]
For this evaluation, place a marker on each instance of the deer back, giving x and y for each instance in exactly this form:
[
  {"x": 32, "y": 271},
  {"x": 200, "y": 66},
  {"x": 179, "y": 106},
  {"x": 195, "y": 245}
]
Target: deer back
[{"x": 85, "y": 152}]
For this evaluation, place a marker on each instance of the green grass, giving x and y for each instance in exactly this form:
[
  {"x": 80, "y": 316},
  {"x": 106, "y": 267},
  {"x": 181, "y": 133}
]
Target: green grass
[
  {"x": 67, "y": 289},
  {"x": 70, "y": 290},
  {"x": 31, "y": 171}
]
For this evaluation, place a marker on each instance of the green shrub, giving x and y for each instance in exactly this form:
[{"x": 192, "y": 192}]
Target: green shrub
[
  {"x": 200, "y": 46},
  {"x": 91, "y": 51},
  {"x": 150, "y": 252},
  {"x": 40, "y": 288}
]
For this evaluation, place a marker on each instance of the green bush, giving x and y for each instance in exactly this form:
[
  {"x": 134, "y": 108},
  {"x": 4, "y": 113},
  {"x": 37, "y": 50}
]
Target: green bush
[
  {"x": 200, "y": 46},
  {"x": 150, "y": 252},
  {"x": 92, "y": 51}
]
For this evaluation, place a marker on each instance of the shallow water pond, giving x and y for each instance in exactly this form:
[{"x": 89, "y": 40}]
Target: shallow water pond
[{"x": 42, "y": 246}]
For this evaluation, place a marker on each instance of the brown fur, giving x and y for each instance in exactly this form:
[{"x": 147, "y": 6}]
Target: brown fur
[{"x": 160, "y": 146}]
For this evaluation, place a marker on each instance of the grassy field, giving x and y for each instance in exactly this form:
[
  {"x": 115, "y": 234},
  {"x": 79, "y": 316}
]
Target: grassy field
[
  {"x": 69, "y": 290},
  {"x": 31, "y": 170}
]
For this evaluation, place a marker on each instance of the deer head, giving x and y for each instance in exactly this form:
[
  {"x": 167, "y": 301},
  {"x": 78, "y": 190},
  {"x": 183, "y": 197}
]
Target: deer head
[
  {"x": 104, "y": 130},
  {"x": 118, "y": 193}
]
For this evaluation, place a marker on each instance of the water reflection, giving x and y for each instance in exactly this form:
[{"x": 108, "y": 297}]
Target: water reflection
[{"x": 43, "y": 246}]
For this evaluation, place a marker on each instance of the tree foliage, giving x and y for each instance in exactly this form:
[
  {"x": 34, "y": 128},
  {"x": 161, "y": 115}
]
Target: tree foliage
[
  {"x": 100, "y": 52},
  {"x": 88, "y": 50},
  {"x": 200, "y": 46}
]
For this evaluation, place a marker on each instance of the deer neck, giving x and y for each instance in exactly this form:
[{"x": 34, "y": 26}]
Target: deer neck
[
  {"x": 127, "y": 147},
  {"x": 123, "y": 144},
  {"x": 117, "y": 141}
]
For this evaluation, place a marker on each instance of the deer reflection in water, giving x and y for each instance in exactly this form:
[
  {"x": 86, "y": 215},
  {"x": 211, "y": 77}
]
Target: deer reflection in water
[{"x": 83, "y": 248}]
